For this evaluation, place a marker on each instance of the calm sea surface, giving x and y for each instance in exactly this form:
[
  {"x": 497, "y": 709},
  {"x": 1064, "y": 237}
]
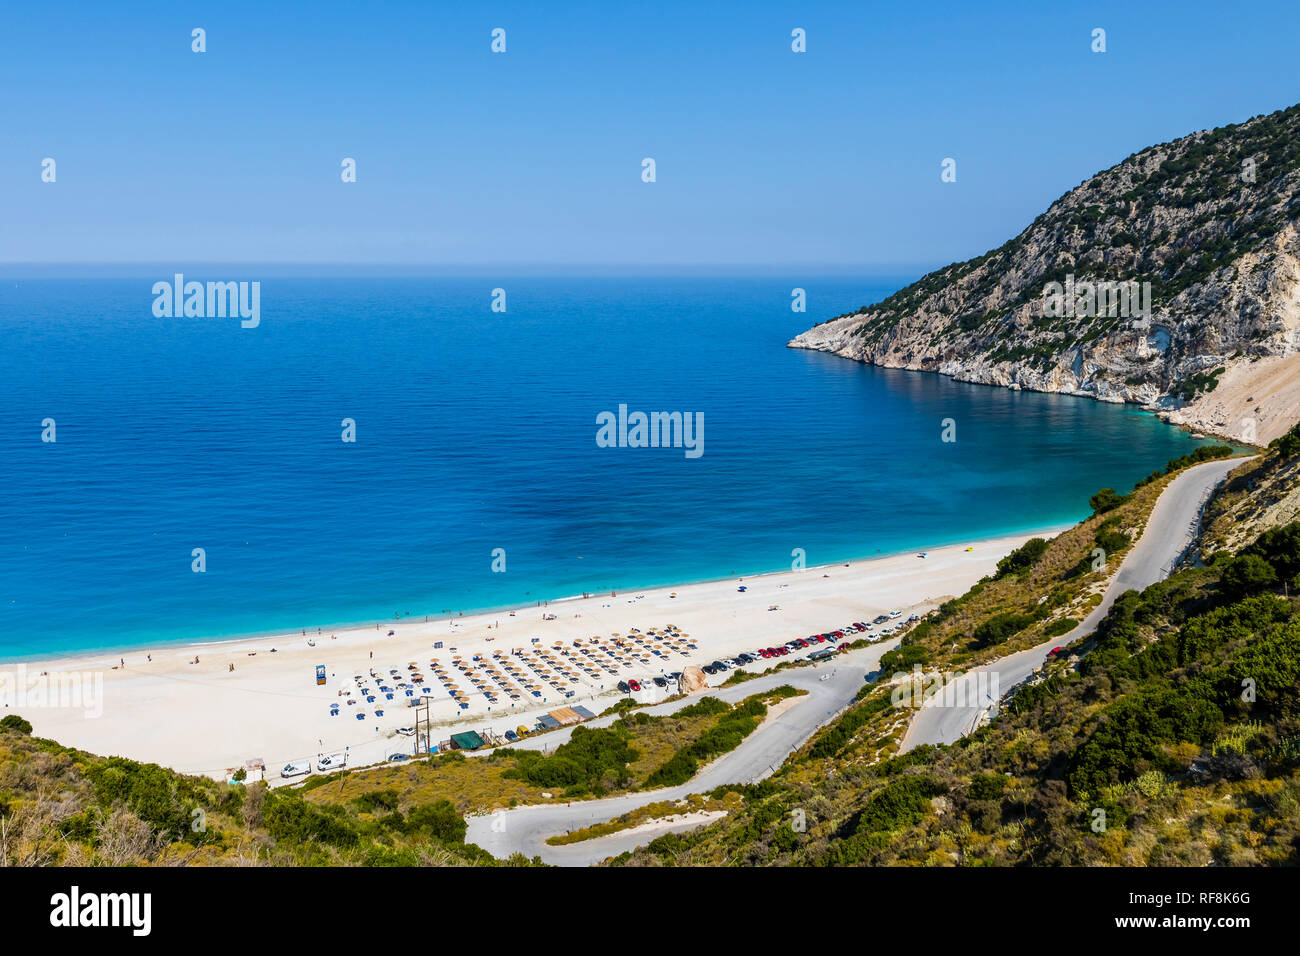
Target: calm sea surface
[{"x": 476, "y": 431}]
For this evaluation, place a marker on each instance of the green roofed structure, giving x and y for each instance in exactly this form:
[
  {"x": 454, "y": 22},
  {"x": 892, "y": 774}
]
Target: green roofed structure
[{"x": 466, "y": 741}]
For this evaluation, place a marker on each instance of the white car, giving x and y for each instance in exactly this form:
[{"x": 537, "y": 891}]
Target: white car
[
  {"x": 406, "y": 731},
  {"x": 895, "y": 613}
]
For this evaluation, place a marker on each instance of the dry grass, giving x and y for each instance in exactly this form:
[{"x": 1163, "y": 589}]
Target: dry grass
[
  {"x": 694, "y": 803},
  {"x": 478, "y": 784}
]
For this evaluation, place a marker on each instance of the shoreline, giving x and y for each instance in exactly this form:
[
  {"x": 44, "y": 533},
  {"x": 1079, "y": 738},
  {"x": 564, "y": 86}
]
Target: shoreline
[
  {"x": 216, "y": 641},
  {"x": 207, "y": 709},
  {"x": 1207, "y": 416}
]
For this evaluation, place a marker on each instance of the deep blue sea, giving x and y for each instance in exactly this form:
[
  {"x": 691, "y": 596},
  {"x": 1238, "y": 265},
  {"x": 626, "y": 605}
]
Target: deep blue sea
[{"x": 475, "y": 431}]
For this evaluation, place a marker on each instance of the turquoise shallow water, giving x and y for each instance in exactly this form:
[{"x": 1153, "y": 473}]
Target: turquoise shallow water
[{"x": 476, "y": 431}]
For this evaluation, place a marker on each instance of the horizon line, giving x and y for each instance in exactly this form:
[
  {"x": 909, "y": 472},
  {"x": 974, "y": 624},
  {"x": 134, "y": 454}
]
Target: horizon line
[{"x": 39, "y": 269}]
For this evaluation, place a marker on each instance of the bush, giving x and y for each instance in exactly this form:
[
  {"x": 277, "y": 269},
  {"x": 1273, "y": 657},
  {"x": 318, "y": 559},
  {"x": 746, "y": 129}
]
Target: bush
[
  {"x": 1289, "y": 444},
  {"x": 1280, "y": 547},
  {"x": 1001, "y": 627},
  {"x": 841, "y": 732},
  {"x": 15, "y": 723},
  {"x": 1106, "y": 500},
  {"x": 290, "y": 819},
  {"x": 1134, "y": 734},
  {"x": 902, "y": 658},
  {"x": 439, "y": 820},
  {"x": 1023, "y": 558},
  {"x": 901, "y": 803},
  {"x": 987, "y": 786},
  {"x": 704, "y": 707},
  {"x": 588, "y": 762},
  {"x": 149, "y": 790},
  {"x": 626, "y": 703},
  {"x": 1064, "y": 626},
  {"x": 1112, "y": 542},
  {"x": 1247, "y": 574}
]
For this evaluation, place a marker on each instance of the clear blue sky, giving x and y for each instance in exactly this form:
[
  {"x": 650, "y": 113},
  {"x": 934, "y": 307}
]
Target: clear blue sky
[{"x": 828, "y": 159}]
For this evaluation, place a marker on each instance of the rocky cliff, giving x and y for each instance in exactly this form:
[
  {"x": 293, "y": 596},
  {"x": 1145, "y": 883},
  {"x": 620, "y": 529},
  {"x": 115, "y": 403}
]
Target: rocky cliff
[{"x": 1171, "y": 280}]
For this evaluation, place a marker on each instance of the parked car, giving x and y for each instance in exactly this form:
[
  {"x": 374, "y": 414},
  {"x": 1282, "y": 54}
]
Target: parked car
[
  {"x": 660, "y": 682},
  {"x": 406, "y": 731},
  {"x": 398, "y": 756},
  {"x": 633, "y": 685},
  {"x": 624, "y": 686},
  {"x": 511, "y": 735}
]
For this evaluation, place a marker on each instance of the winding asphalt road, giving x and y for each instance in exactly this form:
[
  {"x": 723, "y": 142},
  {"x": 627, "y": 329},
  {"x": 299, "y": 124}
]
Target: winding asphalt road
[
  {"x": 962, "y": 706},
  {"x": 525, "y": 829},
  {"x": 1169, "y": 531}
]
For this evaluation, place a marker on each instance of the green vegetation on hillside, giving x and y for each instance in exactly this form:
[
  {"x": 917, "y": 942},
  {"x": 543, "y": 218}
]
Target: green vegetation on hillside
[
  {"x": 1176, "y": 740},
  {"x": 61, "y": 806},
  {"x": 1170, "y": 736}
]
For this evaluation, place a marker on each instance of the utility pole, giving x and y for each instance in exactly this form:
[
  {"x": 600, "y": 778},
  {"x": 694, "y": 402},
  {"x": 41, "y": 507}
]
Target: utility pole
[{"x": 427, "y": 730}]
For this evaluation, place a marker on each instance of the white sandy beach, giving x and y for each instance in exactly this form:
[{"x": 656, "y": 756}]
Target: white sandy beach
[{"x": 206, "y": 718}]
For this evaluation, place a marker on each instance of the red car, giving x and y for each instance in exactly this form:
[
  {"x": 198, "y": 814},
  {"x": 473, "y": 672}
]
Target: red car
[
  {"x": 1055, "y": 651},
  {"x": 633, "y": 685}
]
